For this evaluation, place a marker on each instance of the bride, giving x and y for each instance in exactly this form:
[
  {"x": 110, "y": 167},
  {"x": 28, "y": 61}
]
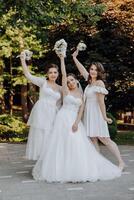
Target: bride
[{"x": 68, "y": 156}]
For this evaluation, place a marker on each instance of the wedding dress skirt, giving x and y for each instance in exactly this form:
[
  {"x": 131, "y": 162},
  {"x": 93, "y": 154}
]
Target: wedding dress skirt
[{"x": 69, "y": 156}]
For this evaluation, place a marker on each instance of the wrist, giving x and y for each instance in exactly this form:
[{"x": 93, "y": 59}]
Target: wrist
[
  {"x": 61, "y": 57},
  {"x": 105, "y": 118},
  {"x": 74, "y": 57},
  {"x": 76, "y": 122},
  {"x": 22, "y": 57}
]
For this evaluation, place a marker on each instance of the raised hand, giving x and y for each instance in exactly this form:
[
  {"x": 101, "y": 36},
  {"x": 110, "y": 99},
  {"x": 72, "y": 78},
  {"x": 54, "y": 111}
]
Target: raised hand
[
  {"x": 75, "y": 54},
  {"x": 61, "y": 56}
]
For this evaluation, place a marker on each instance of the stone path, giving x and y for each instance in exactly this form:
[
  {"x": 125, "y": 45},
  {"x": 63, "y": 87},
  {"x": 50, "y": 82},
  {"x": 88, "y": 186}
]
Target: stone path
[{"x": 16, "y": 182}]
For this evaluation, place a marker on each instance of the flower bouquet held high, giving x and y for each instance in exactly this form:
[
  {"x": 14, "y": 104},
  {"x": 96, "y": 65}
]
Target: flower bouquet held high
[
  {"x": 60, "y": 47},
  {"x": 81, "y": 46},
  {"x": 27, "y": 54}
]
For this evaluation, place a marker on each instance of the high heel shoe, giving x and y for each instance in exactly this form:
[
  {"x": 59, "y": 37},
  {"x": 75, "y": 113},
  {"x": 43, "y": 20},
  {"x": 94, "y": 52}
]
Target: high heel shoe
[{"x": 122, "y": 166}]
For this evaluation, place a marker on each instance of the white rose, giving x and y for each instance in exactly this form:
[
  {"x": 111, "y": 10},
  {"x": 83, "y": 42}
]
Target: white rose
[{"x": 81, "y": 46}]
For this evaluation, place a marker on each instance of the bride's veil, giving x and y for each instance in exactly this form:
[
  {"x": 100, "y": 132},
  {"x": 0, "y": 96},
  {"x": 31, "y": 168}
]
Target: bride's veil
[{"x": 80, "y": 88}]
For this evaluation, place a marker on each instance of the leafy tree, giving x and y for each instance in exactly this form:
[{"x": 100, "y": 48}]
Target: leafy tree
[
  {"x": 34, "y": 21},
  {"x": 105, "y": 26},
  {"x": 11, "y": 45}
]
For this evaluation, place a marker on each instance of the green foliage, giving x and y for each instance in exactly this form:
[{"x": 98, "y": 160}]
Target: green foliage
[
  {"x": 15, "y": 36},
  {"x": 11, "y": 35},
  {"x": 19, "y": 80},
  {"x": 112, "y": 127},
  {"x": 125, "y": 138},
  {"x": 41, "y": 22},
  {"x": 2, "y": 92},
  {"x": 48, "y": 14},
  {"x": 12, "y": 127}
]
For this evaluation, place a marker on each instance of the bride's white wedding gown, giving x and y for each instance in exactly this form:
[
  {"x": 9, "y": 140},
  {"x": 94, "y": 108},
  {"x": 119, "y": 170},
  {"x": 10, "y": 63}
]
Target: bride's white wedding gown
[{"x": 69, "y": 156}]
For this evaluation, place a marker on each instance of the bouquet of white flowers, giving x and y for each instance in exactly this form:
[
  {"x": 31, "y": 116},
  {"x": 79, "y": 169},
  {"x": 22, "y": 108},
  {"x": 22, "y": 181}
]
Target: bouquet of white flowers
[
  {"x": 27, "y": 54},
  {"x": 81, "y": 46},
  {"x": 60, "y": 47}
]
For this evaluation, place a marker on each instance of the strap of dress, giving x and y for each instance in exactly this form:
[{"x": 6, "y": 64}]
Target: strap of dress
[{"x": 84, "y": 96}]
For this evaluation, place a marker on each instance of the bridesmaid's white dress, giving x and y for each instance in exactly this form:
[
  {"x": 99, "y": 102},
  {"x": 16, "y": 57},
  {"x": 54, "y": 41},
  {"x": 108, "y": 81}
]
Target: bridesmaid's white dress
[
  {"x": 42, "y": 116},
  {"x": 93, "y": 120},
  {"x": 70, "y": 156}
]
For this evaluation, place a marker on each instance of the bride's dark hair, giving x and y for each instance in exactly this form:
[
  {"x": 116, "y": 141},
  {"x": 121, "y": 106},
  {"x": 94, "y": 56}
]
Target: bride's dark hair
[
  {"x": 100, "y": 71},
  {"x": 73, "y": 75}
]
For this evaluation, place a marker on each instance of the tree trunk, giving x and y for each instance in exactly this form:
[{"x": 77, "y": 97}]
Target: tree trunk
[
  {"x": 24, "y": 102},
  {"x": 11, "y": 88},
  {"x": 2, "y": 101}
]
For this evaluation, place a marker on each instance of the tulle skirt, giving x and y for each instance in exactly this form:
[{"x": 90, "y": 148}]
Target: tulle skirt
[
  {"x": 35, "y": 143},
  {"x": 71, "y": 157}
]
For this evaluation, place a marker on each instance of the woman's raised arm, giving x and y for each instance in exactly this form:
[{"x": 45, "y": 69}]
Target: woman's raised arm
[
  {"x": 80, "y": 67},
  {"x": 35, "y": 80},
  {"x": 64, "y": 76}
]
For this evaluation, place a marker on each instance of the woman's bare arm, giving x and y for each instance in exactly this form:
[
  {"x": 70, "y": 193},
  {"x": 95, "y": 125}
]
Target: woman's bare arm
[
  {"x": 64, "y": 76},
  {"x": 78, "y": 119},
  {"x": 80, "y": 67}
]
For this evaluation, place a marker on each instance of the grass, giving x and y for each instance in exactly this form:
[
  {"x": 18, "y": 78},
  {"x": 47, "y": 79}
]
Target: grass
[{"x": 125, "y": 138}]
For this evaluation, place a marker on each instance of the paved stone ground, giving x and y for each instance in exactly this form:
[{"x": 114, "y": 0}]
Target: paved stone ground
[{"x": 16, "y": 182}]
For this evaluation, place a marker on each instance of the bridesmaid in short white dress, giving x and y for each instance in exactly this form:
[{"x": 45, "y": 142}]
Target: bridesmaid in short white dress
[
  {"x": 95, "y": 119},
  {"x": 44, "y": 111},
  {"x": 69, "y": 157}
]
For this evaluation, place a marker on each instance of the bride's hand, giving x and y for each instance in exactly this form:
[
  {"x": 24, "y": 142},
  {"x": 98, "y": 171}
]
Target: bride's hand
[
  {"x": 75, "y": 53},
  {"x": 75, "y": 127},
  {"x": 60, "y": 56}
]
